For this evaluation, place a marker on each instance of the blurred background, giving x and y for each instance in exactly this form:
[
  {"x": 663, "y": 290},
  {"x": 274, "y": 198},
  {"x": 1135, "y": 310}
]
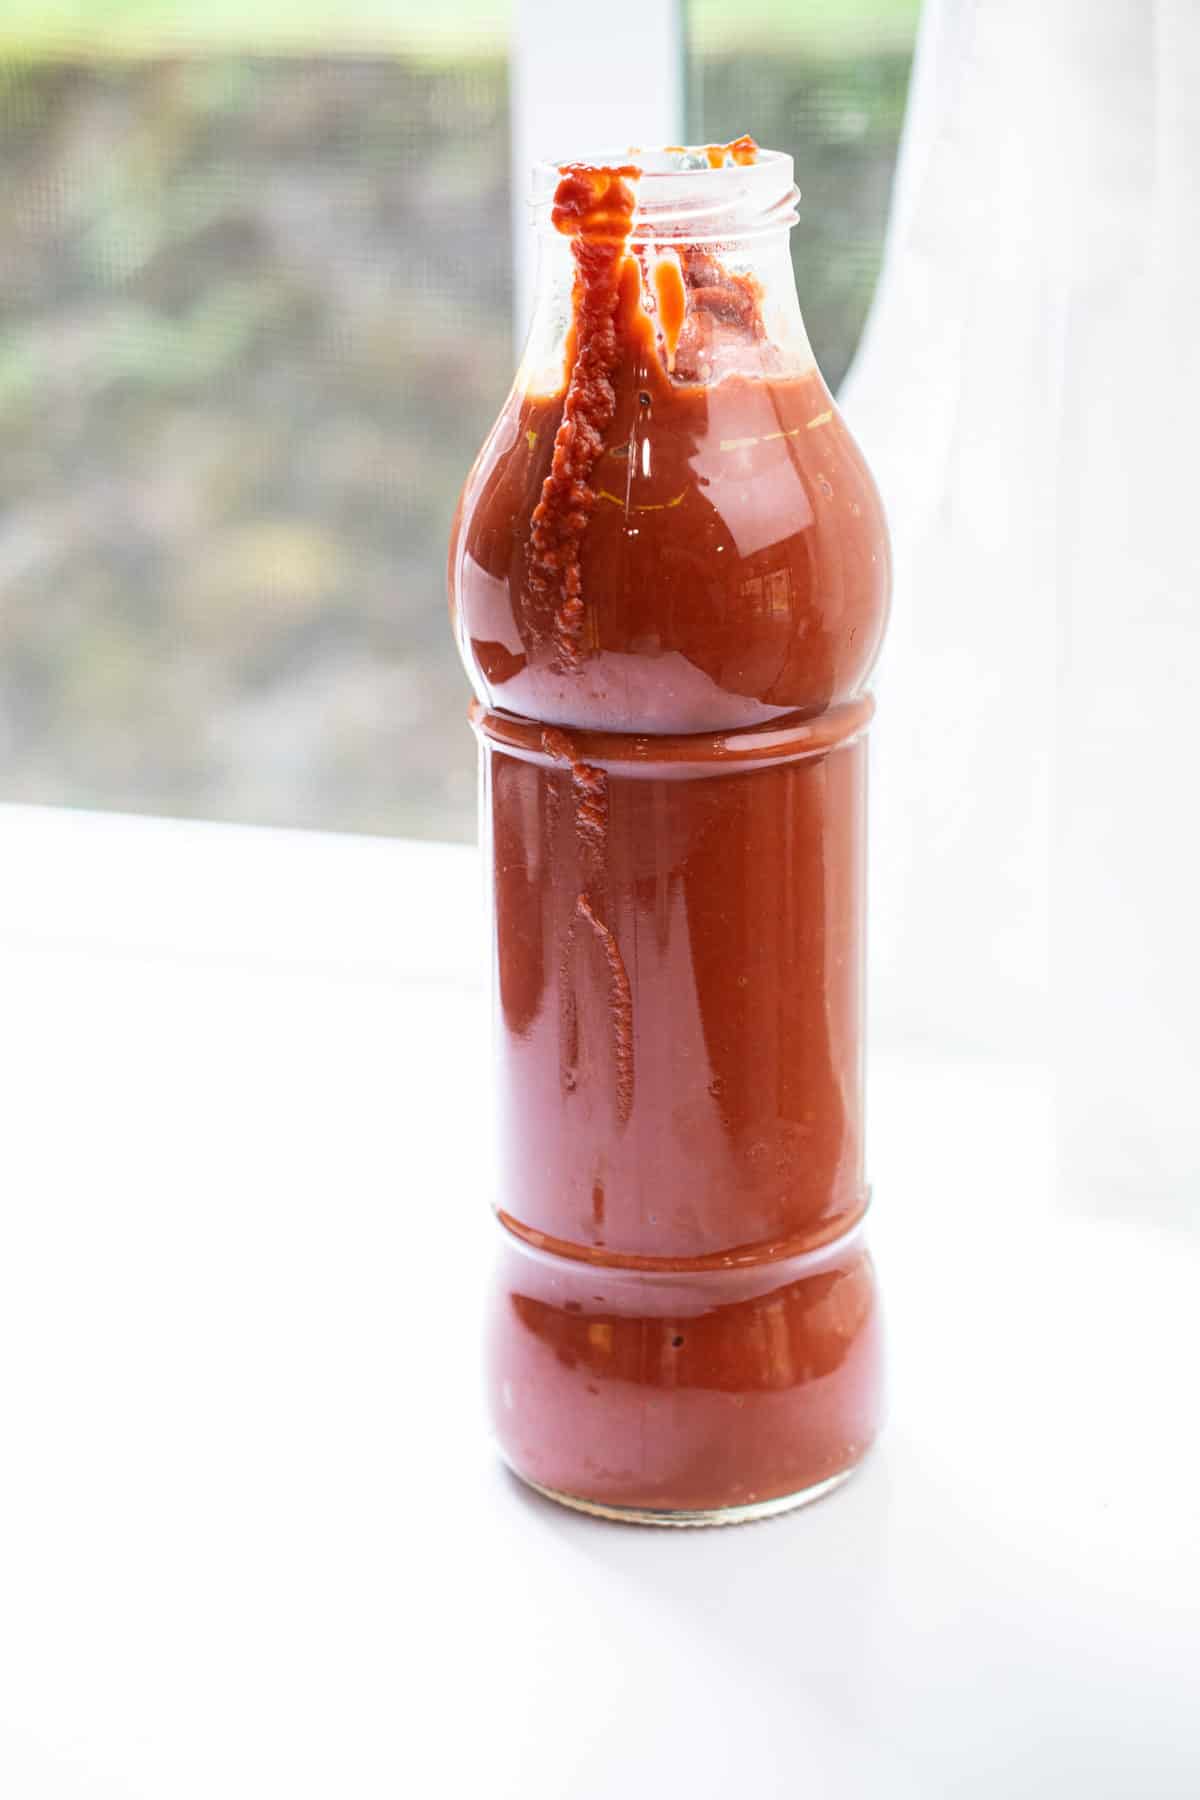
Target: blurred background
[
  {"x": 256, "y": 315},
  {"x": 257, "y": 275}
]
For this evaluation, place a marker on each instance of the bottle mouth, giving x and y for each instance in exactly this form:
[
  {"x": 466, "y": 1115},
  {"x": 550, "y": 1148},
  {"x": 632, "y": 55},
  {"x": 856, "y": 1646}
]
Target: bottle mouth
[{"x": 682, "y": 198}]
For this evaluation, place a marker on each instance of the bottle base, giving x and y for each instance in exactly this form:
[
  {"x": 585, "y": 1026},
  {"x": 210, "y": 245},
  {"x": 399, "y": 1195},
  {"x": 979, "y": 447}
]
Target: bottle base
[
  {"x": 745, "y": 1514},
  {"x": 685, "y": 1396}
]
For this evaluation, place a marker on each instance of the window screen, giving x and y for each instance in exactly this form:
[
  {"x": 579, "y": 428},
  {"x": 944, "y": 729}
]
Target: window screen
[
  {"x": 825, "y": 80},
  {"x": 255, "y": 317}
]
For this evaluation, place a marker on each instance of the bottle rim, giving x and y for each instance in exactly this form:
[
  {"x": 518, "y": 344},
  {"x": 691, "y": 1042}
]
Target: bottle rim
[{"x": 681, "y": 198}]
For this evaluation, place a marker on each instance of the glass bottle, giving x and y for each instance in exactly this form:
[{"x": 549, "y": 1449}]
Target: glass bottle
[{"x": 668, "y": 579}]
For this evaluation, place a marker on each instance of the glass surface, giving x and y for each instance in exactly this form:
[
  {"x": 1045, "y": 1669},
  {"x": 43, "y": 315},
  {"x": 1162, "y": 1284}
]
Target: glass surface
[
  {"x": 669, "y": 580},
  {"x": 255, "y": 316},
  {"x": 689, "y": 1396},
  {"x": 826, "y": 81}
]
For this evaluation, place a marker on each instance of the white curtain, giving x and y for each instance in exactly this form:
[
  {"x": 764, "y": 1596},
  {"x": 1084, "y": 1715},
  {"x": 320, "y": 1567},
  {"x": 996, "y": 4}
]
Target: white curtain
[{"x": 1028, "y": 392}]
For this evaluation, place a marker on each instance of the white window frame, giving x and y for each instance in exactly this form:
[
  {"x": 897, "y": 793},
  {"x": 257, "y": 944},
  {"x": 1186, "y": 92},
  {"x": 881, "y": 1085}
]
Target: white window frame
[{"x": 583, "y": 82}]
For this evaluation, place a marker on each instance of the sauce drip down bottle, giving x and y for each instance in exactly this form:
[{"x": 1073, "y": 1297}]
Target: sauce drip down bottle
[{"x": 669, "y": 578}]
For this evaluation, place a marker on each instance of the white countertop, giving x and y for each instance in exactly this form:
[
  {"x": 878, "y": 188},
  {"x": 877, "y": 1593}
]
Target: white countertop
[{"x": 253, "y": 1541}]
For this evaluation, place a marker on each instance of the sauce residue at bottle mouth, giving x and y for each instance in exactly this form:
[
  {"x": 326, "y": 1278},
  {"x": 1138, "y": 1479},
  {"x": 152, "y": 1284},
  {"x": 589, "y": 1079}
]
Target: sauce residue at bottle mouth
[
  {"x": 741, "y": 153},
  {"x": 595, "y": 203}
]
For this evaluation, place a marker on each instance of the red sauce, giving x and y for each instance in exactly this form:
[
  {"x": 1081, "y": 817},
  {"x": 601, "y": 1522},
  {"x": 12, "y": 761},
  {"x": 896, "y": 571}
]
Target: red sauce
[
  {"x": 595, "y": 207},
  {"x": 742, "y": 151},
  {"x": 671, "y": 298},
  {"x": 670, "y": 581}
]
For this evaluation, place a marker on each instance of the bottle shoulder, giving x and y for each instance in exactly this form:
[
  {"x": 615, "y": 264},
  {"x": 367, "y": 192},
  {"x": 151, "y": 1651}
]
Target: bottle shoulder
[{"x": 732, "y": 559}]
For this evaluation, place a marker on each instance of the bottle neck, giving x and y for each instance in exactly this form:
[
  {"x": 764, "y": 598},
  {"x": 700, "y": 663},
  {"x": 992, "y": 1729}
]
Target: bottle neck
[
  {"x": 739, "y": 297},
  {"x": 700, "y": 254}
]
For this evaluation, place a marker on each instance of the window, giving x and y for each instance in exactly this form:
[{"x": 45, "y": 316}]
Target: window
[
  {"x": 255, "y": 319},
  {"x": 827, "y": 81}
]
